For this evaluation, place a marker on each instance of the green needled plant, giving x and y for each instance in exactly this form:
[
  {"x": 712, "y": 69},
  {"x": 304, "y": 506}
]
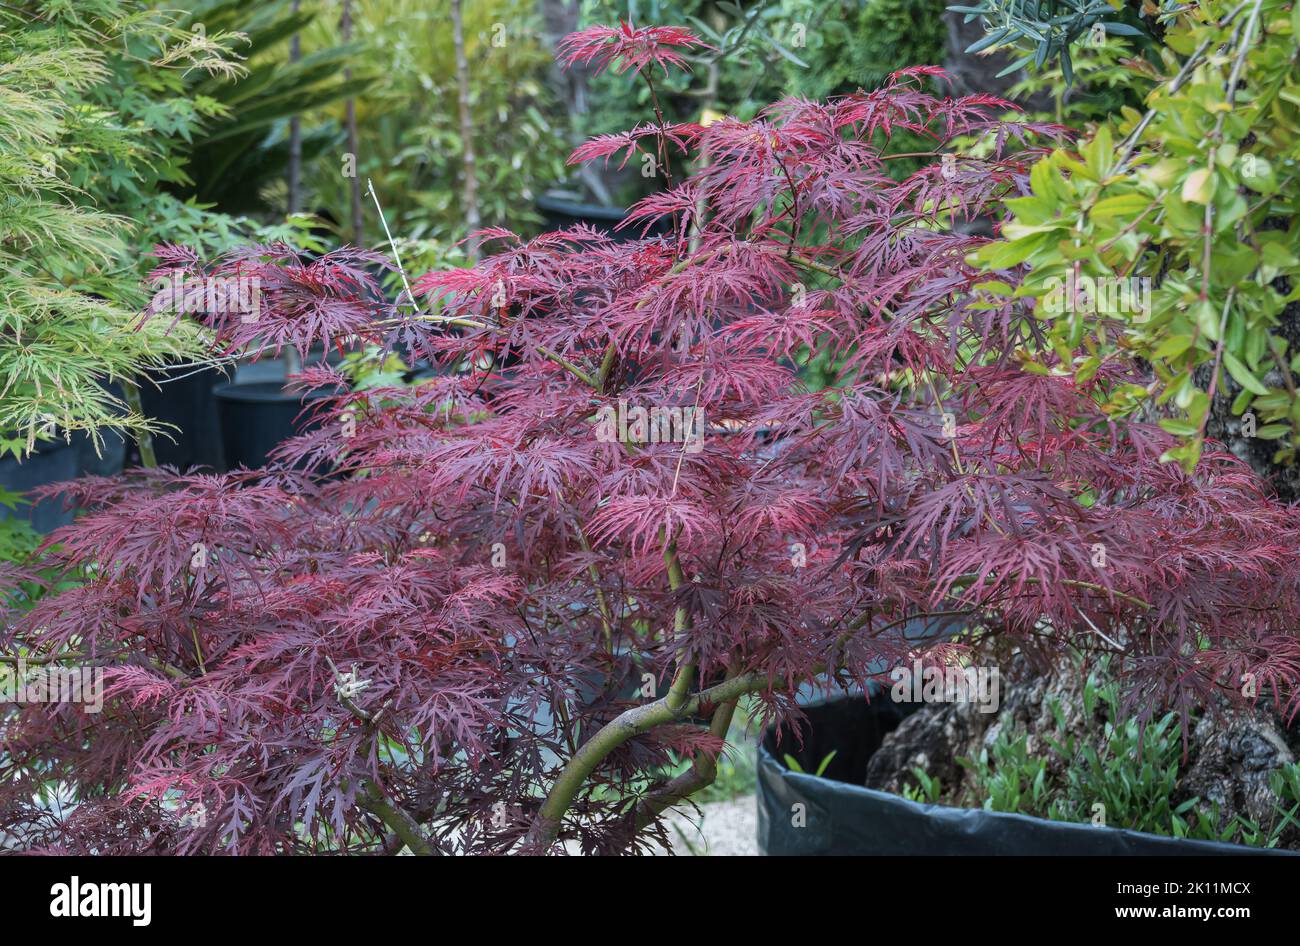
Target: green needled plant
[{"x": 68, "y": 292}]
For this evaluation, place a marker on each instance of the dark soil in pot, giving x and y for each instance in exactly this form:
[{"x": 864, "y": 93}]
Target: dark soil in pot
[
  {"x": 51, "y": 462},
  {"x": 1062, "y": 718},
  {"x": 256, "y": 417}
]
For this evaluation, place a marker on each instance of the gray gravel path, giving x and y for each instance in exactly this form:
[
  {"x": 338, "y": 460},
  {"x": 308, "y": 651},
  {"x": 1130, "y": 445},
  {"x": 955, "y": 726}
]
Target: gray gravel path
[{"x": 718, "y": 829}]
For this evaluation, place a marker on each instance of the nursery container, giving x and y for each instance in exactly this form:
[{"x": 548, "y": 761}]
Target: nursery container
[
  {"x": 110, "y": 457},
  {"x": 183, "y": 398},
  {"x": 841, "y": 817},
  {"x": 560, "y": 213},
  {"x": 51, "y": 462},
  {"x": 258, "y": 416}
]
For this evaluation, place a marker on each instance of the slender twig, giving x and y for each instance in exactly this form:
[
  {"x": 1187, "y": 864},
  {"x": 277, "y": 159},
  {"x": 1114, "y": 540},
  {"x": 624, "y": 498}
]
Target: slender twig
[
  {"x": 1218, "y": 362},
  {"x": 662, "y": 135},
  {"x": 606, "y": 617},
  {"x": 1130, "y": 143},
  {"x": 372, "y": 797}
]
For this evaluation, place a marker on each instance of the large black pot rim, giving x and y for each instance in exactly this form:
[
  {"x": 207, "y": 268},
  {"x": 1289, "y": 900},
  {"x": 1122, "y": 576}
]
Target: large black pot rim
[
  {"x": 256, "y": 417},
  {"x": 264, "y": 392},
  {"x": 844, "y": 818},
  {"x": 573, "y": 208}
]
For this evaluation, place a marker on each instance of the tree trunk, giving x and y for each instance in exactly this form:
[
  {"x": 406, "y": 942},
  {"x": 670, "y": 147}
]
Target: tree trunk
[
  {"x": 294, "y": 201},
  {"x": 970, "y": 73},
  {"x": 358, "y": 220},
  {"x": 472, "y": 219}
]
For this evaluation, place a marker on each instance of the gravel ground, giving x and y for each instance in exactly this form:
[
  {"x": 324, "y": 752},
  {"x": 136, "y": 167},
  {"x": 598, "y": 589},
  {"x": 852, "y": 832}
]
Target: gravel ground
[{"x": 718, "y": 829}]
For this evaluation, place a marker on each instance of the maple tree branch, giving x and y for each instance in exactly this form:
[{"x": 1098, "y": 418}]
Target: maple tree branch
[
  {"x": 662, "y": 134},
  {"x": 606, "y": 366},
  {"x": 701, "y": 774},
  {"x": 568, "y": 366},
  {"x": 681, "y": 685},
  {"x": 396, "y": 818},
  {"x": 372, "y": 797},
  {"x": 176, "y": 673},
  {"x": 627, "y": 725},
  {"x": 606, "y": 616},
  {"x": 1073, "y": 583}
]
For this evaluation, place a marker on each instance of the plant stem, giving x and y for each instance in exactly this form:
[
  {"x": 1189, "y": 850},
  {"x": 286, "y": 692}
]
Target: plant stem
[
  {"x": 143, "y": 438},
  {"x": 702, "y": 773},
  {"x": 605, "y": 614},
  {"x": 681, "y": 685},
  {"x": 293, "y": 202},
  {"x": 470, "y": 193},
  {"x": 402, "y": 824},
  {"x": 625, "y": 726}
]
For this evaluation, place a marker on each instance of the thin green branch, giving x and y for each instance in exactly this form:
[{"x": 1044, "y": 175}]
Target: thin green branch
[
  {"x": 625, "y": 726},
  {"x": 397, "y": 819}
]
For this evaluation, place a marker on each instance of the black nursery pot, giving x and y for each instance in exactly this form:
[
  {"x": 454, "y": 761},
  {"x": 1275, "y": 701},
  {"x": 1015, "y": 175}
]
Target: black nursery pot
[
  {"x": 183, "y": 398},
  {"x": 560, "y": 214},
  {"x": 843, "y": 818},
  {"x": 106, "y": 459},
  {"x": 52, "y": 462},
  {"x": 258, "y": 416}
]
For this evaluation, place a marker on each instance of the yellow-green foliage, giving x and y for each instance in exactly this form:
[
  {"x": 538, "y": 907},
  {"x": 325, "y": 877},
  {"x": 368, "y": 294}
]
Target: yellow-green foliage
[
  {"x": 1196, "y": 193},
  {"x": 69, "y": 280}
]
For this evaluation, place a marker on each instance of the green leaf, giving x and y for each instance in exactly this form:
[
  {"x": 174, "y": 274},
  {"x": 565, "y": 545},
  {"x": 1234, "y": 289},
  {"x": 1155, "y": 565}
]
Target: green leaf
[
  {"x": 1121, "y": 205},
  {"x": 1242, "y": 374},
  {"x": 1179, "y": 428},
  {"x": 1207, "y": 317},
  {"x": 1198, "y": 187},
  {"x": 1173, "y": 346}
]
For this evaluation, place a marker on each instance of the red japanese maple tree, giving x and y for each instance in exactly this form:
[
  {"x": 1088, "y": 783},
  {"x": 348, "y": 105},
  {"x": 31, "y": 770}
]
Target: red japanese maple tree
[{"x": 438, "y": 635}]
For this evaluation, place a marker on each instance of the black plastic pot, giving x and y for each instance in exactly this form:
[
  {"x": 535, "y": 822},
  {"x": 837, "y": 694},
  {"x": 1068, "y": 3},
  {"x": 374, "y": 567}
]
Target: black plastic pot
[
  {"x": 840, "y": 817},
  {"x": 52, "y": 462},
  {"x": 560, "y": 213},
  {"x": 182, "y": 398},
  {"x": 108, "y": 460},
  {"x": 256, "y": 417}
]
